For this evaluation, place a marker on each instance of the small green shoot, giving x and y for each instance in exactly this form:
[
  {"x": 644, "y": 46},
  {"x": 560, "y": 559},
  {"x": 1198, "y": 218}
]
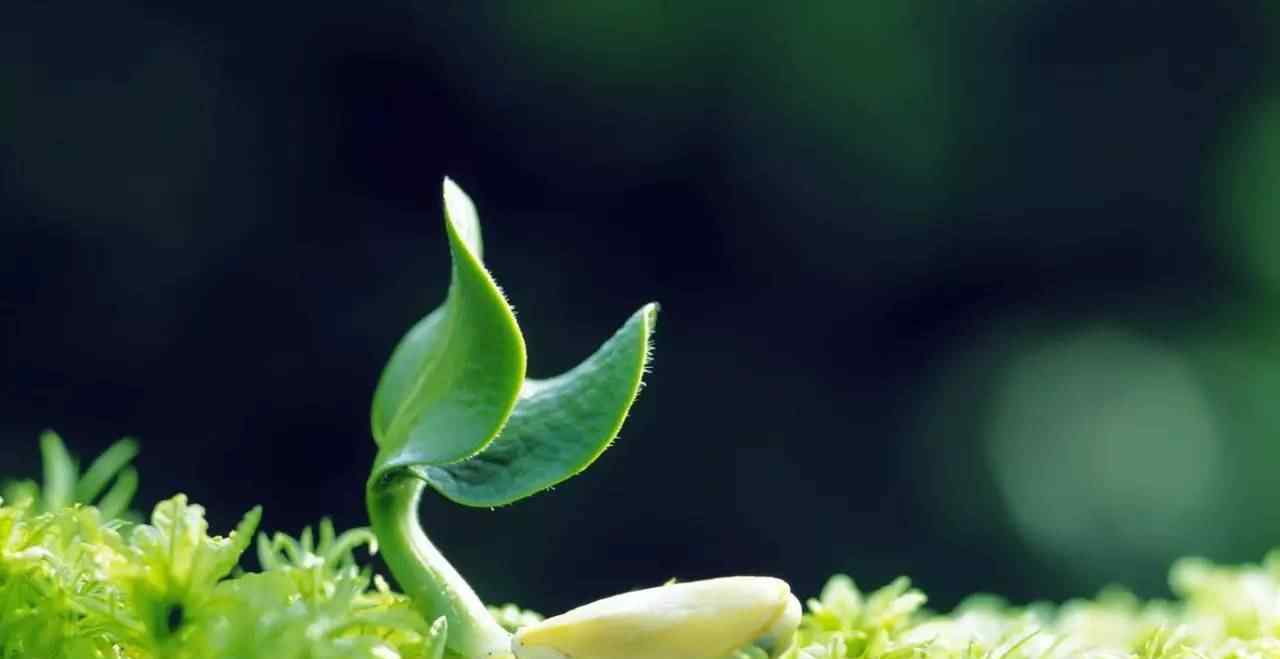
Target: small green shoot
[
  {"x": 454, "y": 410},
  {"x": 64, "y": 485}
]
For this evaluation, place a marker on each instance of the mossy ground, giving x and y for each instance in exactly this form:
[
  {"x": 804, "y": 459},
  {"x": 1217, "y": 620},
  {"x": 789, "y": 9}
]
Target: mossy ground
[{"x": 76, "y": 583}]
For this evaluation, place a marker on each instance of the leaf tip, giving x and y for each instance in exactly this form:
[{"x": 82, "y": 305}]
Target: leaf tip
[
  {"x": 460, "y": 216},
  {"x": 51, "y": 440},
  {"x": 248, "y": 524},
  {"x": 650, "y": 312}
]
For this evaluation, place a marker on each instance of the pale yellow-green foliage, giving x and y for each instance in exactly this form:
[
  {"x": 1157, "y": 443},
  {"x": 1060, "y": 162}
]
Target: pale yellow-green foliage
[
  {"x": 79, "y": 583},
  {"x": 75, "y": 586},
  {"x": 1221, "y": 613}
]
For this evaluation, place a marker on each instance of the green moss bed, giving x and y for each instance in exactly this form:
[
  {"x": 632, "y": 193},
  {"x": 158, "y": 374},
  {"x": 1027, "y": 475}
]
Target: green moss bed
[{"x": 83, "y": 577}]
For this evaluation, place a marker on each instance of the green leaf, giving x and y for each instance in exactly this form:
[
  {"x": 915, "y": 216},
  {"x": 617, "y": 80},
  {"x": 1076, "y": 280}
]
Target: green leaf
[
  {"x": 454, "y": 378},
  {"x": 58, "y": 488},
  {"x": 112, "y": 461},
  {"x": 453, "y": 403},
  {"x": 115, "y": 503},
  {"x": 559, "y": 426}
]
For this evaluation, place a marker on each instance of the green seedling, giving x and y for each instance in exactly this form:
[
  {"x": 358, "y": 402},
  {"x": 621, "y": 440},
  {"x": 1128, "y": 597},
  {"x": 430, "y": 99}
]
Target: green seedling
[{"x": 454, "y": 411}]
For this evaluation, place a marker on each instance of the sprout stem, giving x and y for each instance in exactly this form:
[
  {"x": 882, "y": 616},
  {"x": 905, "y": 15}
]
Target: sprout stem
[{"x": 425, "y": 574}]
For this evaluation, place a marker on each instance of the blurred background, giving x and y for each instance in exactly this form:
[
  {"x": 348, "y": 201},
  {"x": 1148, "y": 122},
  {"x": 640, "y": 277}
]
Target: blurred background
[{"x": 985, "y": 293}]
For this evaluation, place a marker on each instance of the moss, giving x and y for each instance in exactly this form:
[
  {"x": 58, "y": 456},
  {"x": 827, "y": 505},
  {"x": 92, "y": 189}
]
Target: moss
[{"x": 78, "y": 584}]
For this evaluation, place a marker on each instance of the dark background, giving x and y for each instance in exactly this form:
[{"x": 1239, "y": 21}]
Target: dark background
[{"x": 985, "y": 293}]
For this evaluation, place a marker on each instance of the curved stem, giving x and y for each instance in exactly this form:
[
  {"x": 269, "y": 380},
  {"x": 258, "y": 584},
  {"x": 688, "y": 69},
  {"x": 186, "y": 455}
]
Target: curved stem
[{"x": 424, "y": 573}]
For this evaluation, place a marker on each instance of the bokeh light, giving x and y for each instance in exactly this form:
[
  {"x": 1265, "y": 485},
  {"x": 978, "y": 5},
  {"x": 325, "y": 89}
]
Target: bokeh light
[{"x": 1106, "y": 450}]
